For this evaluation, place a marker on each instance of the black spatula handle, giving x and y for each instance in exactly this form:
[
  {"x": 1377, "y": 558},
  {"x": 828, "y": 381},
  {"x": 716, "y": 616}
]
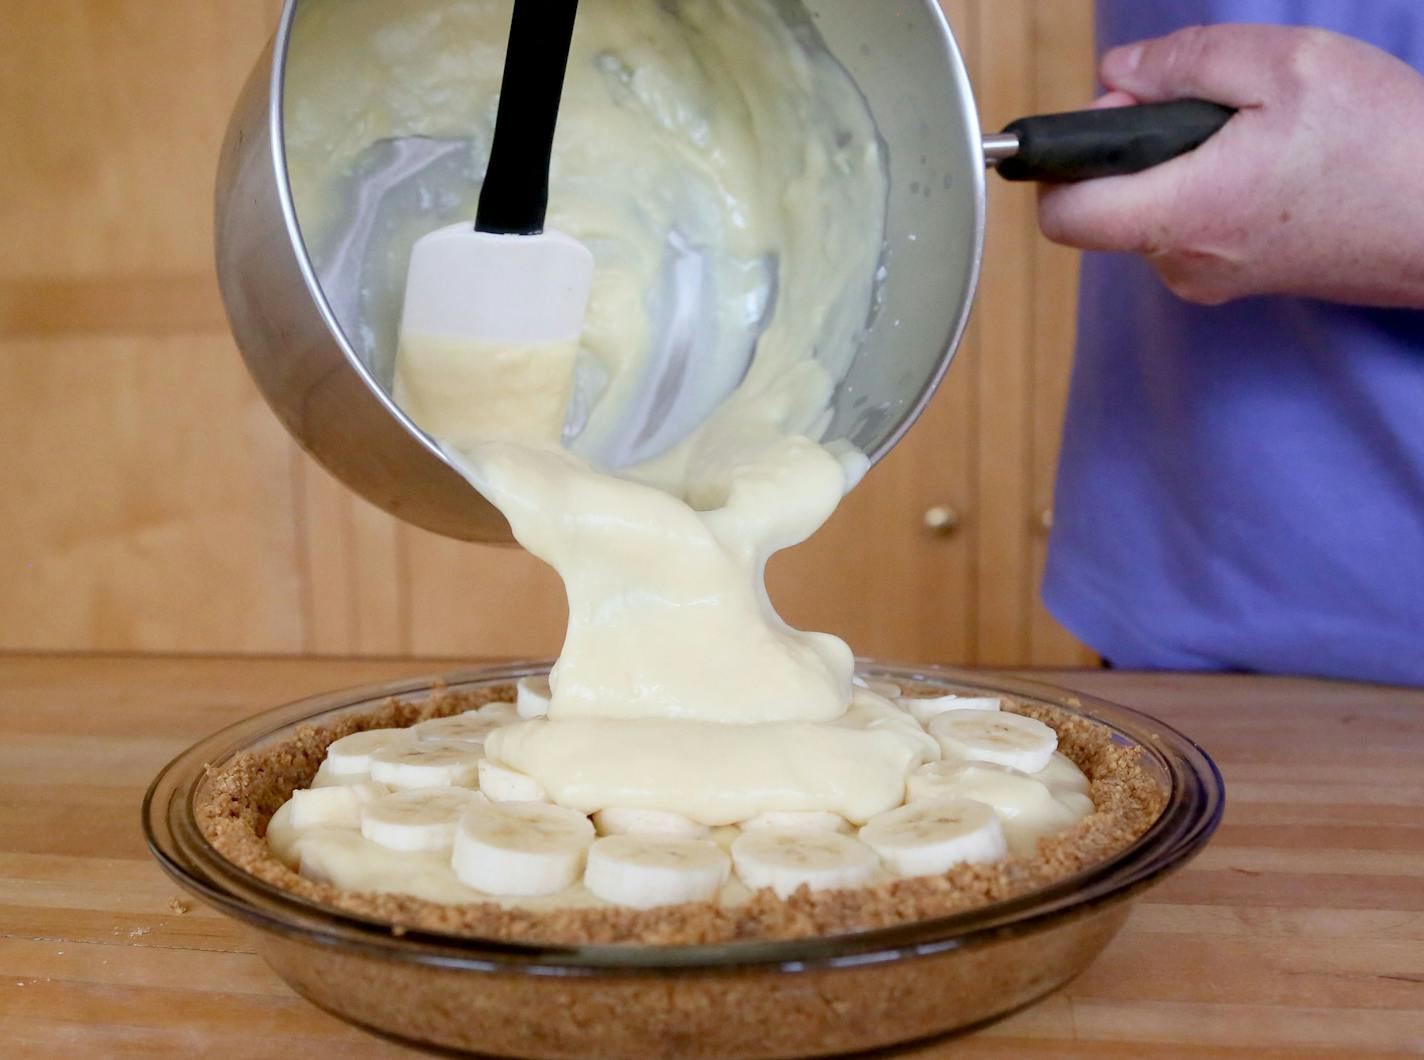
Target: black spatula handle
[
  {"x": 1086, "y": 144},
  {"x": 515, "y": 195}
]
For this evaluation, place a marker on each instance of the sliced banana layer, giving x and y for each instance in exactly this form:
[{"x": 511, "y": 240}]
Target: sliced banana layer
[
  {"x": 343, "y": 858},
  {"x": 647, "y": 822},
  {"x": 785, "y": 858},
  {"x": 943, "y": 780},
  {"x": 390, "y": 794},
  {"x": 995, "y": 736},
  {"x": 347, "y": 859},
  {"x": 814, "y": 820},
  {"x": 533, "y": 695},
  {"x": 874, "y": 712},
  {"x": 337, "y": 806},
  {"x": 1027, "y": 808},
  {"x": 927, "y": 709},
  {"x": 352, "y": 754},
  {"x": 470, "y": 727},
  {"x": 927, "y": 838},
  {"x": 645, "y": 871},
  {"x": 502, "y": 784},
  {"x": 419, "y": 819},
  {"x": 431, "y": 764},
  {"x": 325, "y": 778},
  {"x": 1063, "y": 774},
  {"x": 888, "y": 689},
  {"x": 520, "y": 848}
]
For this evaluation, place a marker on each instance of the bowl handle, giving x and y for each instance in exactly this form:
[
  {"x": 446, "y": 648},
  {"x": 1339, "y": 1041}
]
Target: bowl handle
[{"x": 1117, "y": 141}]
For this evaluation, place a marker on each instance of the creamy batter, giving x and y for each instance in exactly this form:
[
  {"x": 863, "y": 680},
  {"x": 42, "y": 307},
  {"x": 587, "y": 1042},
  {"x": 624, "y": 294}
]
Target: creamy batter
[{"x": 714, "y": 125}]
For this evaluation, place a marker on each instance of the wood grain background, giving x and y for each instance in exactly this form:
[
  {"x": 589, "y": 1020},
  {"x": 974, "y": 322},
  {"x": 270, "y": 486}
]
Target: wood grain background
[{"x": 153, "y": 504}]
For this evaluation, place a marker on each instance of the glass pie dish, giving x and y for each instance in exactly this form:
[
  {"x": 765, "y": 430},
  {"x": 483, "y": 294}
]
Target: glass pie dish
[{"x": 783, "y": 998}]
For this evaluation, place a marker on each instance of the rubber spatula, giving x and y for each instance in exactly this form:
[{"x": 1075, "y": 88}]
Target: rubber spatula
[{"x": 507, "y": 279}]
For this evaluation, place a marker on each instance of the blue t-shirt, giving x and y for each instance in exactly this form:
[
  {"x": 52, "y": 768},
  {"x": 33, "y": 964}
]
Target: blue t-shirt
[{"x": 1242, "y": 487}]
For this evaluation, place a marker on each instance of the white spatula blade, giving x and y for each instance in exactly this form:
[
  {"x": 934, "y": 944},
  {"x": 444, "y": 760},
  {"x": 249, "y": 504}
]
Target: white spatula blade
[{"x": 514, "y": 289}]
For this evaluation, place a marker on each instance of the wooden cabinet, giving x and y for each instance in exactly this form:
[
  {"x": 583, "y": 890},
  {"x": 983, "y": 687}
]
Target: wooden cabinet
[{"x": 153, "y": 504}]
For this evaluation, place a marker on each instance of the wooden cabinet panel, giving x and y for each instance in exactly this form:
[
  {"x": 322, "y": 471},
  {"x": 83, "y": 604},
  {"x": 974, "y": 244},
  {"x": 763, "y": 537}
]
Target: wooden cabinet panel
[
  {"x": 164, "y": 509},
  {"x": 481, "y": 599},
  {"x": 113, "y": 114},
  {"x": 876, "y": 575},
  {"x": 1000, "y": 66},
  {"x": 148, "y": 501},
  {"x": 1062, "y": 46},
  {"x": 987, "y": 446}
]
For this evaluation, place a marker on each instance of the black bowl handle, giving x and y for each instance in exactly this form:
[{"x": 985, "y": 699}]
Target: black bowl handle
[{"x": 1116, "y": 141}]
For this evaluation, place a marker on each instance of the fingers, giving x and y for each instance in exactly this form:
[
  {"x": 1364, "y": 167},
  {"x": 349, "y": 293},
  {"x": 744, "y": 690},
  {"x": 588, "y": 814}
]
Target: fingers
[
  {"x": 1112, "y": 214},
  {"x": 1140, "y": 215},
  {"x": 1143, "y": 213},
  {"x": 1100, "y": 214},
  {"x": 1229, "y": 64},
  {"x": 1114, "y": 99}
]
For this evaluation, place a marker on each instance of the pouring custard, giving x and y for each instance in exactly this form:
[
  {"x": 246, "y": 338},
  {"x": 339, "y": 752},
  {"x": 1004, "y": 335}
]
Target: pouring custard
[{"x": 714, "y": 748}]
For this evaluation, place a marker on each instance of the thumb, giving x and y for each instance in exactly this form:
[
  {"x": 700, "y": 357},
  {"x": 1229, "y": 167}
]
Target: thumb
[{"x": 1220, "y": 63}]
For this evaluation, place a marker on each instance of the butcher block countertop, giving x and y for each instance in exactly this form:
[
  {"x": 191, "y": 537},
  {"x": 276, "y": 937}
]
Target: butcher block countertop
[{"x": 1300, "y": 929}]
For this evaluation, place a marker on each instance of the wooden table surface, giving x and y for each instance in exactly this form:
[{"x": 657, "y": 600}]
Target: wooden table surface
[{"x": 1300, "y": 929}]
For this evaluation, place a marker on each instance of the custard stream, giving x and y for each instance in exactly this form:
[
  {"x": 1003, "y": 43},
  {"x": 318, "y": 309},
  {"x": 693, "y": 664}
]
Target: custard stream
[{"x": 679, "y": 687}]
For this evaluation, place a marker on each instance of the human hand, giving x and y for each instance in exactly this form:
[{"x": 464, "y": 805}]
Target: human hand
[{"x": 1315, "y": 188}]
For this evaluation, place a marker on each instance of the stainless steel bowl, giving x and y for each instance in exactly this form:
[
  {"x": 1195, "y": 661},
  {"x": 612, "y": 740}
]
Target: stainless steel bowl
[
  {"x": 803, "y": 997},
  {"x": 295, "y": 312},
  {"x": 334, "y": 399}
]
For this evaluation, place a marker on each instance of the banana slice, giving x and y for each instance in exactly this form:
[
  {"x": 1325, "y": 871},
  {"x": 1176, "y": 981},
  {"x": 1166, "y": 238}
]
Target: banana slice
[
  {"x": 352, "y": 754},
  {"x": 785, "y": 858},
  {"x": 815, "y": 820},
  {"x": 994, "y": 736},
  {"x": 349, "y": 860},
  {"x": 341, "y": 858},
  {"x": 281, "y": 836},
  {"x": 1063, "y": 774},
  {"x": 888, "y": 689},
  {"x": 325, "y": 778},
  {"x": 470, "y": 727},
  {"x": 912, "y": 732},
  {"x": 927, "y": 709},
  {"x": 926, "y": 838},
  {"x": 432, "y": 764},
  {"x": 1026, "y": 807},
  {"x": 337, "y": 806},
  {"x": 533, "y": 697},
  {"x": 418, "y": 819},
  {"x": 502, "y": 784},
  {"x": 647, "y": 822},
  {"x": 520, "y": 849},
  {"x": 642, "y": 871},
  {"x": 947, "y": 779},
  {"x": 869, "y": 711}
]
